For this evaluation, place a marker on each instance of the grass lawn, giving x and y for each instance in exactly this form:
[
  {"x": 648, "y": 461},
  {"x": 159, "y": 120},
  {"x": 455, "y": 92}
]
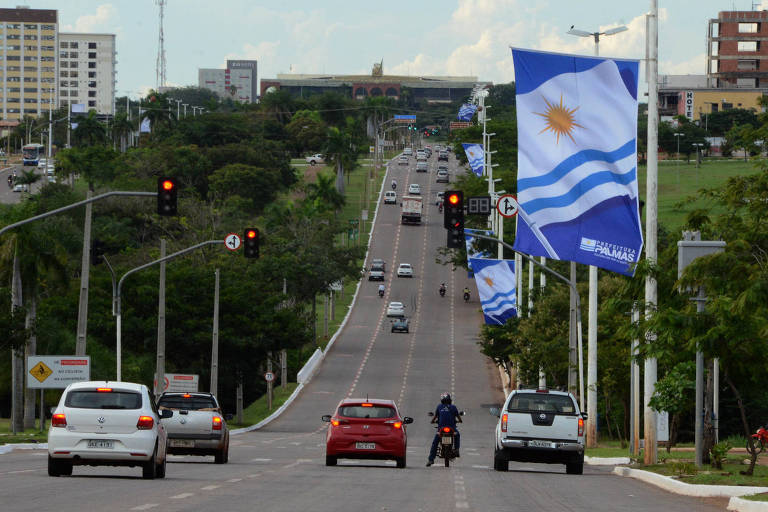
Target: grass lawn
[
  {"x": 30, "y": 435},
  {"x": 757, "y": 497},
  {"x": 258, "y": 410},
  {"x": 729, "y": 475},
  {"x": 679, "y": 180},
  {"x": 614, "y": 449}
]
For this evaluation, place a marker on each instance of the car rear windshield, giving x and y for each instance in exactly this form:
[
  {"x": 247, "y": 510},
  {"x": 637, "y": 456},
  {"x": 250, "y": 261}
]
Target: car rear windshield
[
  {"x": 358, "y": 411},
  {"x": 92, "y": 399},
  {"x": 193, "y": 403},
  {"x": 541, "y": 402}
]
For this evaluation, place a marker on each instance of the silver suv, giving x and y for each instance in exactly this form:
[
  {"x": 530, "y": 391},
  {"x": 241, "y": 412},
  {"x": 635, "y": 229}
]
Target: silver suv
[{"x": 539, "y": 425}]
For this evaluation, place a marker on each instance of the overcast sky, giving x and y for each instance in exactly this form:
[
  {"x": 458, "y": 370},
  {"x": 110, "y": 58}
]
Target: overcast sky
[{"x": 421, "y": 37}]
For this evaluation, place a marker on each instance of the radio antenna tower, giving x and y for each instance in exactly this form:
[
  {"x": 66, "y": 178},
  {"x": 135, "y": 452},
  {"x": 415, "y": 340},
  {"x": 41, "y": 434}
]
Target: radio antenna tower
[{"x": 160, "y": 66}]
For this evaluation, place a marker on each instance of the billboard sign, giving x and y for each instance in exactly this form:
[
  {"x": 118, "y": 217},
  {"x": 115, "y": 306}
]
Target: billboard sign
[{"x": 57, "y": 372}]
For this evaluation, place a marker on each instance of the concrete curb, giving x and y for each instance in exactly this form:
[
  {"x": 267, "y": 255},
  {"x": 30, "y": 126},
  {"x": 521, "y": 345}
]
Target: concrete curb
[
  {"x": 678, "y": 487},
  {"x": 9, "y": 447},
  {"x": 606, "y": 461},
  {"x": 272, "y": 416},
  {"x": 740, "y": 505}
]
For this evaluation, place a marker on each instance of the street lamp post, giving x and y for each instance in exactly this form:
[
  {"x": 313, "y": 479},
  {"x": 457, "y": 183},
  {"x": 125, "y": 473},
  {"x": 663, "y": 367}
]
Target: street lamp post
[
  {"x": 178, "y": 102},
  {"x": 592, "y": 316},
  {"x": 698, "y": 146},
  {"x": 677, "y": 136},
  {"x": 185, "y": 108}
]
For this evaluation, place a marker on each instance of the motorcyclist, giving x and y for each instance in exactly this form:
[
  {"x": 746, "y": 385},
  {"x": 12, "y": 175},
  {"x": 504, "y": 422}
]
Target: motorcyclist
[
  {"x": 466, "y": 292},
  {"x": 381, "y": 290},
  {"x": 442, "y": 288},
  {"x": 394, "y": 184},
  {"x": 446, "y": 415}
]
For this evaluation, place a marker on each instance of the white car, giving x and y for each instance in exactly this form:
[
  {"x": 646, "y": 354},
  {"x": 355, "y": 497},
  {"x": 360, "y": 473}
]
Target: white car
[
  {"x": 539, "y": 425},
  {"x": 421, "y": 166},
  {"x": 405, "y": 270},
  {"x": 408, "y": 151},
  {"x": 403, "y": 160},
  {"x": 42, "y": 163},
  {"x": 442, "y": 176},
  {"x": 101, "y": 423},
  {"x": 390, "y": 197},
  {"x": 396, "y": 309},
  {"x": 19, "y": 187},
  {"x": 414, "y": 189},
  {"x": 315, "y": 159}
]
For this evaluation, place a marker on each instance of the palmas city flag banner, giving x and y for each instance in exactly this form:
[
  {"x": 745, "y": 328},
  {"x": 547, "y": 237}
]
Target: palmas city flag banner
[
  {"x": 577, "y": 159},
  {"x": 495, "y": 280}
]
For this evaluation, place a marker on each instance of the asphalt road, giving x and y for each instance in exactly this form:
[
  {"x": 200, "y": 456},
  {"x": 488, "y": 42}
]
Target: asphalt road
[{"x": 281, "y": 468}]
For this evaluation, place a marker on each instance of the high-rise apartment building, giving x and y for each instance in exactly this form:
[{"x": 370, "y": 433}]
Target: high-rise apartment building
[
  {"x": 737, "y": 50},
  {"x": 28, "y": 41},
  {"x": 87, "y": 72},
  {"x": 238, "y": 81}
]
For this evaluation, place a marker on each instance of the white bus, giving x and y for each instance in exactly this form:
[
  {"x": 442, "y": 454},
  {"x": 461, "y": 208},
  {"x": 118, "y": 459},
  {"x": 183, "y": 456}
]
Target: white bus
[{"x": 31, "y": 153}]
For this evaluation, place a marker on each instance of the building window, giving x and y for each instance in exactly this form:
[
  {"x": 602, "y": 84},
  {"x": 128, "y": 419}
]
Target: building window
[
  {"x": 30, "y": 69},
  {"x": 91, "y": 84},
  {"x": 73, "y": 44},
  {"x": 13, "y": 79},
  {"x": 29, "y": 26},
  {"x": 48, "y": 38},
  {"x": 44, "y": 59},
  {"x": 12, "y": 47},
  {"x": 73, "y": 55},
  {"x": 13, "y": 37},
  {"x": 750, "y": 83},
  {"x": 63, "y": 64},
  {"x": 73, "y": 74},
  {"x": 30, "y": 78},
  {"x": 92, "y": 65},
  {"x": 30, "y": 111},
  {"x": 64, "y": 92},
  {"x": 30, "y": 37},
  {"x": 63, "y": 55},
  {"x": 91, "y": 94},
  {"x": 64, "y": 74},
  {"x": 747, "y": 65},
  {"x": 727, "y": 106},
  {"x": 91, "y": 74},
  {"x": 747, "y": 46},
  {"x": 63, "y": 44},
  {"x": 73, "y": 64},
  {"x": 47, "y": 69},
  {"x": 14, "y": 68},
  {"x": 47, "y": 48},
  {"x": 48, "y": 27},
  {"x": 13, "y": 25},
  {"x": 33, "y": 58},
  {"x": 30, "y": 47},
  {"x": 748, "y": 28},
  {"x": 91, "y": 103},
  {"x": 91, "y": 55},
  {"x": 13, "y": 57},
  {"x": 30, "y": 89},
  {"x": 91, "y": 46}
]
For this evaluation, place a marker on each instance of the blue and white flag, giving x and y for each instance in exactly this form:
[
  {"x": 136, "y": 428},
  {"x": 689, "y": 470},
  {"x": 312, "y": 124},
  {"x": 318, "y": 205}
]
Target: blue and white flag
[
  {"x": 495, "y": 280},
  {"x": 466, "y": 112},
  {"x": 475, "y": 157},
  {"x": 577, "y": 159},
  {"x": 146, "y": 126},
  {"x": 472, "y": 250}
]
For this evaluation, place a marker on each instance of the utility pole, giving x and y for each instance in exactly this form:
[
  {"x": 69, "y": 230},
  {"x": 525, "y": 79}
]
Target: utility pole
[
  {"x": 634, "y": 387},
  {"x": 650, "y": 453},
  {"x": 160, "y": 362},
  {"x": 215, "y": 349},
  {"x": 284, "y": 369},
  {"x": 85, "y": 268},
  {"x": 269, "y": 382}
]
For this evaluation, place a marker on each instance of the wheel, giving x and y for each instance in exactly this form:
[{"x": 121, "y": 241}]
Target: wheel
[
  {"x": 574, "y": 468},
  {"x": 312, "y": 162},
  {"x": 330, "y": 460},
  {"x": 149, "y": 468},
  {"x": 226, "y": 453},
  {"x": 400, "y": 462},
  {"x": 221, "y": 455},
  {"x": 447, "y": 461},
  {"x": 499, "y": 462},
  {"x": 406, "y": 331},
  {"x": 160, "y": 471},
  {"x": 59, "y": 467}
]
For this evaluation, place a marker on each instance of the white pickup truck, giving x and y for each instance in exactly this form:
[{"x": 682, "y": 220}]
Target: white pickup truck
[
  {"x": 540, "y": 425},
  {"x": 315, "y": 159},
  {"x": 197, "y": 426}
]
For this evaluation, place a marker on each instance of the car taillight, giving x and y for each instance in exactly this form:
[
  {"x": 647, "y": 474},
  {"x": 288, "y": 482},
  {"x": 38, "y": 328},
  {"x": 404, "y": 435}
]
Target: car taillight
[
  {"x": 581, "y": 427},
  {"x": 503, "y": 422},
  {"x": 145, "y": 423},
  {"x": 335, "y": 423},
  {"x": 216, "y": 423},
  {"x": 59, "y": 420}
]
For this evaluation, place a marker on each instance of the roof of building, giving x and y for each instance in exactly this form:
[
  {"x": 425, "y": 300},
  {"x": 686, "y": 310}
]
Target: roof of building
[
  {"x": 29, "y": 15},
  {"x": 409, "y": 81}
]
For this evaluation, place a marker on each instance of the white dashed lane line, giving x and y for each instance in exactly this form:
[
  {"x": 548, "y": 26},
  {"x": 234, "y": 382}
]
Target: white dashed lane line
[
  {"x": 146, "y": 506},
  {"x": 209, "y": 487},
  {"x": 182, "y": 496}
]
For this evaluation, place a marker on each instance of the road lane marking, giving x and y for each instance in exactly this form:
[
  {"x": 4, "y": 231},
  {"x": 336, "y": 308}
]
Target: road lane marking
[
  {"x": 209, "y": 487},
  {"x": 182, "y": 496},
  {"x": 146, "y": 506},
  {"x": 260, "y": 460},
  {"x": 459, "y": 490},
  {"x": 233, "y": 480},
  {"x": 477, "y": 466}
]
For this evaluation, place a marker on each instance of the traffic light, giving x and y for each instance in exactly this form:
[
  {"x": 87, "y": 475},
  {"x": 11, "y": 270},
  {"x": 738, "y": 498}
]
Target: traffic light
[
  {"x": 453, "y": 218},
  {"x": 166, "y": 196},
  {"x": 251, "y": 243}
]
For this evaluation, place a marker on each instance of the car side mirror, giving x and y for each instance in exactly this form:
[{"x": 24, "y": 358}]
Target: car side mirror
[
  {"x": 407, "y": 420},
  {"x": 495, "y": 411},
  {"x": 166, "y": 413},
  {"x": 584, "y": 415},
  {"x": 326, "y": 418}
]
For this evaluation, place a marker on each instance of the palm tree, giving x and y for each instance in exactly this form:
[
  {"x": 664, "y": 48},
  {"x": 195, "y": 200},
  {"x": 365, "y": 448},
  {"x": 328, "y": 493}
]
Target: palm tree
[
  {"x": 121, "y": 128},
  {"x": 27, "y": 178},
  {"x": 340, "y": 152},
  {"x": 280, "y": 104},
  {"x": 90, "y": 131},
  {"x": 324, "y": 194}
]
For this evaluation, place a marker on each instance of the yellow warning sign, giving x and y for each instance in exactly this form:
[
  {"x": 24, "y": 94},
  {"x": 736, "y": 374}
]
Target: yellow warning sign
[{"x": 40, "y": 371}]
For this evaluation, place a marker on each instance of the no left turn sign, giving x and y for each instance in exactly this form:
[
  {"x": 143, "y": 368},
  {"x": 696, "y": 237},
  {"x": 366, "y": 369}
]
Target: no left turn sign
[
  {"x": 232, "y": 241},
  {"x": 507, "y": 205}
]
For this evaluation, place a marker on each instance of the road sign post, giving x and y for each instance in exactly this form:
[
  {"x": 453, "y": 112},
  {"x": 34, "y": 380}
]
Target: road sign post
[{"x": 232, "y": 242}]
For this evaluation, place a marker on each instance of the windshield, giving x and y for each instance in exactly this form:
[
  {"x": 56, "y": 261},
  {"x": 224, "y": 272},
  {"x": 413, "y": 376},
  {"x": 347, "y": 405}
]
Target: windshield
[
  {"x": 541, "y": 402},
  {"x": 92, "y": 399},
  {"x": 193, "y": 403}
]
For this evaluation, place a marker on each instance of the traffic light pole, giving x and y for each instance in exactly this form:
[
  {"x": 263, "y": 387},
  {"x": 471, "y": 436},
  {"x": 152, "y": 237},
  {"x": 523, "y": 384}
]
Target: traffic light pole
[
  {"x": 118, "y": 307},
  {"x": 572, "y": 286}
]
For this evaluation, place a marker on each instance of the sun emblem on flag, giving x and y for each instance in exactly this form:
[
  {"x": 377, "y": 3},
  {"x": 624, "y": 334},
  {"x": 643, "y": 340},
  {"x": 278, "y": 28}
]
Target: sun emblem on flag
[
  {"x": 488, "y": 281},
  {"x": 560, "y": 119}
]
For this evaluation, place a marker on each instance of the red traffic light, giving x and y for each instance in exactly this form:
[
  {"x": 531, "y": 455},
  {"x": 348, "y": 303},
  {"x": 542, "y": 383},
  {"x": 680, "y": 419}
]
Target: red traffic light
[
  {"x": 167, "y": 185},
  {"x": 251, "y": 233},
  {"x": 453, "y": 198}
]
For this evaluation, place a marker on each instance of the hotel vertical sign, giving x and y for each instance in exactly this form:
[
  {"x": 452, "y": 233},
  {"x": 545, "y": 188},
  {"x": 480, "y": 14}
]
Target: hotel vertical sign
[{"x": 688, "y": 104}]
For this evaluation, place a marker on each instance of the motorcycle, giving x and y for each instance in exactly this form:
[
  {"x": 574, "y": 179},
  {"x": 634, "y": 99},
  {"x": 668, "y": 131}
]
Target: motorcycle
[
  {"x": 381, "y": 293},
  {"x": 759, "y": 441},
  {"x": 394, "y": 185},
  {"x": 445, "y": 447},
  {"x": 440, "y": 207},
  {"x": 442, "y": 291},
  {"x": 466, "y": 296}
]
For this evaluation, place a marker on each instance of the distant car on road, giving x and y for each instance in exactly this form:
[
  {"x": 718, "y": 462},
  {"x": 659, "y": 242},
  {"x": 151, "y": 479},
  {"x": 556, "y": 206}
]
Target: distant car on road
[
  {"x": 99, "y": 423},
  {"x": 405, "y": 270},
  {"x": 377, "y": 270},
  {"x": 400, "y": 325},
  {"x": 414, "y": 189},
  {"x": 395, "y": 309},
  {"x": 442, "y": 155},
  {"x": 366, "y": 429},
  {"x": 198, "y": 426},
  {"x": 403, "y": 160},
  {"x": 421, "y": 166},
  {"x": 390, "y": 197},
  {"x": 408, "y": 151},
  {"x": 442, "y": 176},
  {"x": 315, "y": 159},
  {"x": 21, "y": 187}
]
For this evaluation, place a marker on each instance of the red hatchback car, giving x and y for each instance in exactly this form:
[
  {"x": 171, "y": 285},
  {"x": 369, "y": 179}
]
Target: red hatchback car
[{"x": 366, "y": 429}]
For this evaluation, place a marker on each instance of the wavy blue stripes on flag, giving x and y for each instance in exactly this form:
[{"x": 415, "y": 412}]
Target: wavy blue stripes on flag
[
  {"x": 466, "y": 112},
  {"x": 475, "y": 157},
  {"x": 577, "y": 158},
  {"x": 495, "y": 280}
]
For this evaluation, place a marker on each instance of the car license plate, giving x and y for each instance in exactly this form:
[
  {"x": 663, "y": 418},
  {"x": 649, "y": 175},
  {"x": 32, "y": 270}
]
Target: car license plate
[
  {"x": 365, "y": 446},
  {"x": 101, "y": 443},
  {"x": 540, "y": 444},
  {"x": 181, "y": 443},
  {"x": 446, "y": 440}
]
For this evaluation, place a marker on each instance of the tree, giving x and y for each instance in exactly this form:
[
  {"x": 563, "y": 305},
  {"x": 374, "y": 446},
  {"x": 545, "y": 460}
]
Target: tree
[
  {"x": 340, "y": 151},
  {"x": 122, "y": 127},
  {"x": 324, "y": 195},
  {"x": 744, "y": 137},
  {"x": 279, "y": 104},
  {"x": 89, "y": 131},
  {"x": 673, "y": 394},
  {"x": 307, "y": 131},
  {"x": 256, "y": 187}
]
